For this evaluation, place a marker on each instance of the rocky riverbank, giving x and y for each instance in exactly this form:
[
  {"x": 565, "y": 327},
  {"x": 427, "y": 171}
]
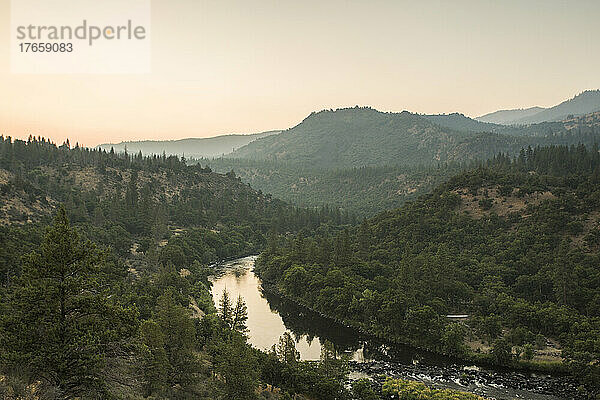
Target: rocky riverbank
[{"x": 500, "y": 385}]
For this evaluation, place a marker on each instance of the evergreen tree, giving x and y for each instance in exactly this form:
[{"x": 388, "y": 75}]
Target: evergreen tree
[
  {"x": 60, "y": 319},
  {"x": 179, "y": 339}
]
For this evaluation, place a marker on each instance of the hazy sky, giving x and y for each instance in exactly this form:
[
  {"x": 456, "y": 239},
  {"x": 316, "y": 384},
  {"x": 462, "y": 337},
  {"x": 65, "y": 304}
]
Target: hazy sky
[{"x": 247, "y": 66}]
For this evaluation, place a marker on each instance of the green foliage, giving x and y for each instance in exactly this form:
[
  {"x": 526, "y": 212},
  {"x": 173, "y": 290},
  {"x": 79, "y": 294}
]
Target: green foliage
[
  {"x": 410, "y": 390},
  {"x": 453, "y": 340},
  {"x": 234, "y": 316},
  {"x": 60, "y": 319},
  {"x": 156, "y": 363},
  {"x": 136, "y": 317},
  {"x": 179, "y": 339},
  {"x": 238, "y": 365},
  {"x": 363, "y": 390},
  {"x": 502, "y": 352},
  {"x": 285, "y": 350},
  {"x": 363, "y": 191}
]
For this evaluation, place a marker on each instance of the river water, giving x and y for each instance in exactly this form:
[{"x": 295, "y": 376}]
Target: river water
[{"x": 269, "y": 316}]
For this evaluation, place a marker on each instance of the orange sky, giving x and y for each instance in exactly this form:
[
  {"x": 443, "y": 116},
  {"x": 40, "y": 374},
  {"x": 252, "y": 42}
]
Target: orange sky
[{"x": 247, "y": 66}]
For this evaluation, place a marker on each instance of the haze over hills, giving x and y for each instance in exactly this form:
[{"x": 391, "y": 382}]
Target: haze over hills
[
  {"x": 362, "y": 136},
  {"x": 507, "y": 116},
  {"x": 355, "y": 130},
  {"x": 584, "y": 103},
  {"x": 192, "y": 147},
  {"x": 366, "y": 161}
]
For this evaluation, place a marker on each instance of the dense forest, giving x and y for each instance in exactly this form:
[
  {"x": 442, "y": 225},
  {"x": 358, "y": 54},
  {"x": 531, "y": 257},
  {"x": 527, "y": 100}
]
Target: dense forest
[
  {"x": 362, "y": 191},
  {"x": 104, "y": 292},
  {"x": 513, "y": 244}
]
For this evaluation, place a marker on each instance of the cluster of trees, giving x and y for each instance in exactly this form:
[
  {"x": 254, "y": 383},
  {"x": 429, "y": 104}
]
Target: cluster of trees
[{"x": 532, "y": 273}]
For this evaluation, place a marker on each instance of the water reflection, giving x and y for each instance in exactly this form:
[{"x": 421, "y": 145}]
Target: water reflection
[
  {"x": 265, "y": 326},
  {"x": 270, "y": 315}
]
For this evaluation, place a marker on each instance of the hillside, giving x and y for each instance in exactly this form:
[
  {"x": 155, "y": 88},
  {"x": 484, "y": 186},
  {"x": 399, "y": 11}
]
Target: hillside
[
  {"x": 356, "y": 137},
  {"x": 366, "y": 161},
  {"x": 123, "y": 200},
  {"x": 192, "y": 147},
  {"x": 364, "y": 191},
  {"x": 513, "y": 244},
  {"x": 584, "y": 103},
  {"x": 35, "y": 176}
]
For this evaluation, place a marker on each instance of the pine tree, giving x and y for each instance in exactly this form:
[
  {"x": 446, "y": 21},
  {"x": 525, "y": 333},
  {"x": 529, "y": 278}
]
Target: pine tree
[
  {"x": 179, "y": 339},
  {"x": 285, "y": 350},
  {"x": 240, "y": 316},
  {"x": 60, "y": 318},
  {"x": 226, "y": 308}
]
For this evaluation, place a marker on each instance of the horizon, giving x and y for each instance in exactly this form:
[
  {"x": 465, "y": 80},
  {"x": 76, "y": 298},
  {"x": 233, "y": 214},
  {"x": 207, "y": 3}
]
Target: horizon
[
  {"x": 124, "y": 142},
  {"x": 237, "y": 67}
]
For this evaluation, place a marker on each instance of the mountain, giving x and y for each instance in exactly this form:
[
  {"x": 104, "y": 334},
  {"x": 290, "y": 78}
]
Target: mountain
[
  {"x": 191, "y": 148},
  {"x": 362, "y": 136},
  {"x": 584, "y": 103},
  {"x": 366, "y": 161},
  {"x": 507, "y": 117}
]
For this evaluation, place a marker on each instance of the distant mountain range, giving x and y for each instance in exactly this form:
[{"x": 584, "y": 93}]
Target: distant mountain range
[
  {"x": 192, "y": 147},
  {"x": 507, "y": 117},
  {"x": 584, "y": 103},
  {"x": 362, "y": 136}
]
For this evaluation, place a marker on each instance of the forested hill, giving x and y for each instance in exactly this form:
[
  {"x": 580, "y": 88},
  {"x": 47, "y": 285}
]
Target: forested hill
[
  {"x": 122, "y": 200},
  {"x": 334, "y": 157},
  {"x": 362, "y": 136},
  {"x": 515, "y": 244},
  {"x": 37, "y": 175}
]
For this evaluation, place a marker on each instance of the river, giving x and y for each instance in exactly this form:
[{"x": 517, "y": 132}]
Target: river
[{"x": 269, "y": 316}]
